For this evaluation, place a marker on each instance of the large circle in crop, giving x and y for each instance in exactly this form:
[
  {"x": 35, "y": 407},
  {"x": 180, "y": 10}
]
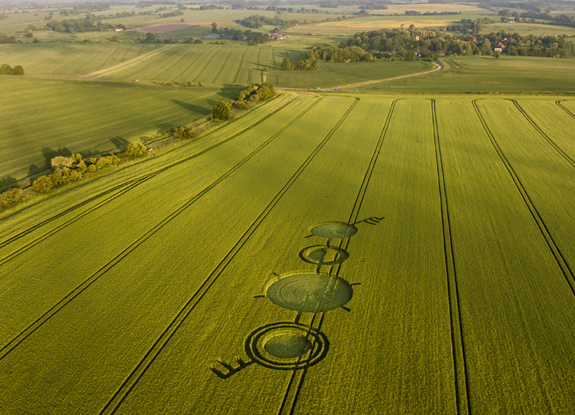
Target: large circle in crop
[
  {"x": 334, "y": 230},
  {"x": 309, "y": 293},
  {"x": 286, "y": 346}
]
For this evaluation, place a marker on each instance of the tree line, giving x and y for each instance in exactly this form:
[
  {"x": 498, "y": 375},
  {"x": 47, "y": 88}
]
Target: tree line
[{"x": 6, "y": 69}]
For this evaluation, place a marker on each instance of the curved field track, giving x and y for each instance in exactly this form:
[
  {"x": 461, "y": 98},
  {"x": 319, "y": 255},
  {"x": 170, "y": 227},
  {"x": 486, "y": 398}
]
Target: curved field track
[{"x": 345, "y": 254}]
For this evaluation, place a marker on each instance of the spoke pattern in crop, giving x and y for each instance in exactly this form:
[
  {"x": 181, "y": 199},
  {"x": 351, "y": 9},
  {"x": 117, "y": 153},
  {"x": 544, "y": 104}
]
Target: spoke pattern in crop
[{"x": 297, "y": 378}]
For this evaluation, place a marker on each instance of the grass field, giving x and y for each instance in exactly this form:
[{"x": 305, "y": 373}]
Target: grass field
[
  {"x": 473, "y": 74},
  {"x": 70, "y": 59},
  {"x": 210, "y": 64},
  {"x": 464, "y": 254},
  {"x": 525, "y": 29},
  {"x": 41, "y": 118},
  {"x": 334, "y": 75}
]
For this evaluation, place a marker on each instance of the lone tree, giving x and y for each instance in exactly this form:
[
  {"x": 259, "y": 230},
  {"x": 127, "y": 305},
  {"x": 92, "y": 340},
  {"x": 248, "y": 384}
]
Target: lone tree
[
  {"x": 221, "y": 111},
  {"x": 286, "y": 65},
  {"x": 497, "y": 55},
  {"x": 214, "y": 27},
  {"x": 18, "y": 70}
]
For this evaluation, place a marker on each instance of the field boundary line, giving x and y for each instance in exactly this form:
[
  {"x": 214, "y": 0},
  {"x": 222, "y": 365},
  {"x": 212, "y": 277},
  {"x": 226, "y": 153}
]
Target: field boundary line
[
  {"x": 6, "y": 349},
  {"x": 185, "y": 159},
  {"x": 126, "y": 387},
  {"x": 561, "y": 261},
  {"x": 223, "y": 65},
  {"x": 130, "y": 64},
  {"x": 240, "y": 66},
  {"x": 462, "y": 395},
  {"x": 297, "y": 378},
  {"x": 543, "y": 134},
  {"x": 206, "y": 65},
  {"x": 565, "y": 109}
]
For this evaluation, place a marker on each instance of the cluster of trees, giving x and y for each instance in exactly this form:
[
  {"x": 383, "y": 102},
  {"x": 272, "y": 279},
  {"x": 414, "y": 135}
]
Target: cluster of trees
[
  {"x": 257, "y": 21},
  {"x": 152, "y": 38},
  {"x": 5, "y": 39},
  {"x": 237, "y": 34},
  {"x": 6, "y": 69},
  {"x": 3, "y": 16},
  {"x": 211, "y": 7},
  {"x": 73, "y": 168},
  {"x": 88, "y": 24},
  {"x": 187, "y": 131},
  {"x": 383, "y": 43},
  {"x": 256, "y": 93},
  {"x": 10, "y": 197},
  {"x": 172, "y": 14}
]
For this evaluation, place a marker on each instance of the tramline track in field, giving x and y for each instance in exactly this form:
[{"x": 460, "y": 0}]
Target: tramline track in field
[
  {"x": 240, "y": 66},
  {"x": 462, "y": 395},
  {"x": 542, "y": 133},
  {"x": 565, "y": 109},
  {"x": 223, "y": 65},
  {"x": 6, "y": 349},
  {"x": 126, "y": 387},
  {"x": 561, "y": 261},
  {"x": 131, "y": 185}
]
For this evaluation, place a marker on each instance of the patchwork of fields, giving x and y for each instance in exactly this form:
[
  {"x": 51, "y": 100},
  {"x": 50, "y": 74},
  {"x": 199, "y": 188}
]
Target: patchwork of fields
[{"x": 461, "y": 271}]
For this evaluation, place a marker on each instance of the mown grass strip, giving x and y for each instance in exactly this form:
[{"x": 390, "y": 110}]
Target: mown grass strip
[
  {"x": 5, "y": 350},
  {"x": 240, "y": 66},
  {"x": 565, "y": 268},
  {"x": 138, "y": 180},
  {"x": 164, "y": 338},
  {"x": 542, "y": 133},
  {"x": 223, "y": 65},
  {"x": 462, "y": 394},
  {"x": 565, "y": 109},
  {"x": 297, "y": 378}
]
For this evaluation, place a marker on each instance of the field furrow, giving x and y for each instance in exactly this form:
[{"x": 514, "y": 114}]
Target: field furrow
[
  {"x": 157, "y": 297},
  {"x": 515, "y": 302}
]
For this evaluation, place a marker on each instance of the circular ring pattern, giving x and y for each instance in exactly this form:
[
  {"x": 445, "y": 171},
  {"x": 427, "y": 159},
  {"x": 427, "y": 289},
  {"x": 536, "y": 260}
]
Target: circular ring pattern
[
  {"x": 286, "y": 346},
  {"x": 333, "y": 230},
  {"x": 309, "y": 293},
  {"x": 316, "y": 254}
]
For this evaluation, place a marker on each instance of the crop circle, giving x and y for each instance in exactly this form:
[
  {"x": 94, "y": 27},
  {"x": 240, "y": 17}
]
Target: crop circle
[
  {"x": 286, "y": 346},
  {"x": 317, "y": 254},
  {"x": 333, "y": 230},
  {"x": 309, "y": 293}
]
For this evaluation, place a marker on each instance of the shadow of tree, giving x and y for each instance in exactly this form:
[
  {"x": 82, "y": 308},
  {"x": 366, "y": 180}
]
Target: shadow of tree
[
  {"x": 50, "y": 153},
  {"x": 196, "y": 109},
  {"x": 7, "y": 182},
  {"x": 118, "y": 142}
]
